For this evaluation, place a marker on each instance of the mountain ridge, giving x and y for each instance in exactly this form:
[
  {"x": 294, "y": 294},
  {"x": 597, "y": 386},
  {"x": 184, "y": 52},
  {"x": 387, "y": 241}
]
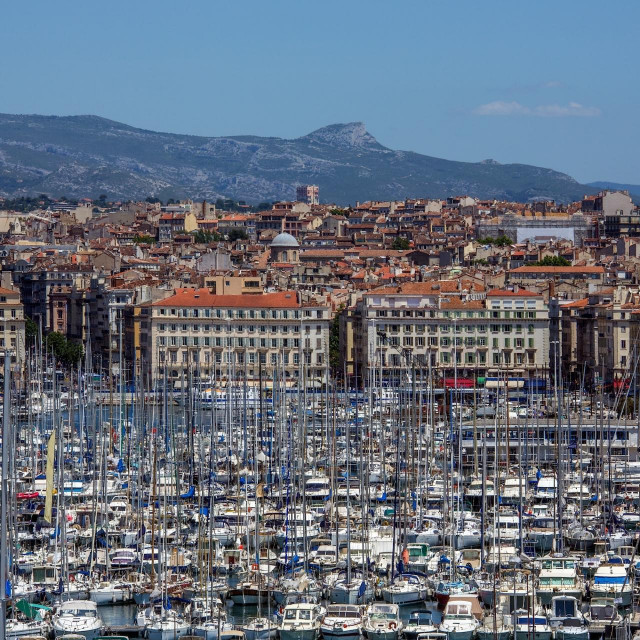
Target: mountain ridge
[{"x": 89, "y": 155}]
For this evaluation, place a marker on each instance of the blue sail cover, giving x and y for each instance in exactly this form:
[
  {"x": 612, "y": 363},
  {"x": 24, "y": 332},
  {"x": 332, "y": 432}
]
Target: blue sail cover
[{"x": 609, "y": 579}]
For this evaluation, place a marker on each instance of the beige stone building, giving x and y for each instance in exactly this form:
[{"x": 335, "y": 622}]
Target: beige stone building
[
  {"x": 196, "y": 332},
  {"x": 12, "y": 327},
  {"x": 455, "y": 327}
]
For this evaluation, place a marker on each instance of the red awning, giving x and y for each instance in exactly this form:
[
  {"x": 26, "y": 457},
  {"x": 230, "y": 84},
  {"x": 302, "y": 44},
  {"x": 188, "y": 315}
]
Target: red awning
[{"x": 458, "y": 383}]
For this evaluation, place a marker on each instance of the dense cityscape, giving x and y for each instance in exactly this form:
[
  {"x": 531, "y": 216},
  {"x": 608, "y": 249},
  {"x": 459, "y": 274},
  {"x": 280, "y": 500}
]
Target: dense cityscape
[
  {"x": 468, "y": 287},
  {"x": 319, "y": 321},
  {"x": 377, "y": 420}
]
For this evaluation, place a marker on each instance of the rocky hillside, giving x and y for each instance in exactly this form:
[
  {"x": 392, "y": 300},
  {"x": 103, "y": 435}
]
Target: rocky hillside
[{"x": 87, "y": 156}]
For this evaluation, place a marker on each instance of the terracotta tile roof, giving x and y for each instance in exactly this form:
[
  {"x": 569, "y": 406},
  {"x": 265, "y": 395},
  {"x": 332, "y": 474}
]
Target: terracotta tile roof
[
  {"x": 576, "y": 304},
  {"x": 204, "y": 298},
  {"x": 505, "y": 293},
  {"x": 558, "y": 270},
  {"x": 431, "y": 287},
  {"x": 462, "y": 304}
]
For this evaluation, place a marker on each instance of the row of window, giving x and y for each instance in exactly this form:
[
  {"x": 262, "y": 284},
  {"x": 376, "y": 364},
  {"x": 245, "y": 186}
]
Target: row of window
[
  {"x": 275, "y": 314},
  {"x": 219, "y": 328},
  {"x": 434, "y": 313},
  {"x": 282, "y": 358},
  {"x": 469, "y": 358},
  {"x": 264, "y": 343},
  {"x": 445, "y": 328}
]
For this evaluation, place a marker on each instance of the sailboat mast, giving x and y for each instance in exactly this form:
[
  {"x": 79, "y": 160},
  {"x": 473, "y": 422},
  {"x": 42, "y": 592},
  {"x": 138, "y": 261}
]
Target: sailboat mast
[{"x": 6, "y": 428}]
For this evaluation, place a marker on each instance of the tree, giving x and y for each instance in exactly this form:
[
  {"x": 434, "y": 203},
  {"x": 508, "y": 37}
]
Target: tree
[
  {"x": 503, "y": 241},
  {"x": 552, "y": 261},
  {"x": 143, "y": 238},
  {"x": 203, "y": 236},
  {"x": 66, "y": 352},
  {"x": 500, "y": 241},
  {"x": 30, "y": 330},
  {"x": 400, "y": 244},
  {"x": 334, "y": 341},
  {"x": 237, "y": 234},
  {"x": 337, "y": 211}
]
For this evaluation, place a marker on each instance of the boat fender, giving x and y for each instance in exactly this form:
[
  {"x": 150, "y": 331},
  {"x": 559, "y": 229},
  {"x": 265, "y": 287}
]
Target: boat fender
[
  {"x": 392, "y": 625},
  {"x": 254, "y": 567},
  {"x": 72, "y": 577}
]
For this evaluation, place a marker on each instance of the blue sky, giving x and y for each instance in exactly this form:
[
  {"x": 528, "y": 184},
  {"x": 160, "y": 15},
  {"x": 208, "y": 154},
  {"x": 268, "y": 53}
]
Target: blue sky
[{"x": 551, "y": 83}]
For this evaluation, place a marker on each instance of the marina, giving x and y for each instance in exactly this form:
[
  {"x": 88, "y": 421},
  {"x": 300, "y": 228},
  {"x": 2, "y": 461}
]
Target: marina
[{"x": 255, "y": 509}]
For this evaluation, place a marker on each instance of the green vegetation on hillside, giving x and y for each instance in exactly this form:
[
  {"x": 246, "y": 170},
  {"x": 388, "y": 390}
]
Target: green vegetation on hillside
[
  {"x": 500, "y": 241},
  {"x": 552, "y": 261}
]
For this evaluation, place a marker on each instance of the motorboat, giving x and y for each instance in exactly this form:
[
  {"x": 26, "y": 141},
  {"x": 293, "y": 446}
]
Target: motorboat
[
  {"x": 382, "y": 622},
  {"x": 458, "y": 621},
  {"x": 78, "y": 617},
  {"x": 301, "y": 621},
  {"x": 342, "y": 622},
  {"x": 611, "y": 581},
  {"x": 567, "y": 620},
  {"x": 531, "y": 626},
  {"x": 419, "y": 624}
]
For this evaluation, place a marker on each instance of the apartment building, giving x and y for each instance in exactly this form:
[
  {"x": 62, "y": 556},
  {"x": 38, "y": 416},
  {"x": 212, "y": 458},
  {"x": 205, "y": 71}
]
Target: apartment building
[
  {"x": 197, "y": 331},
  {"x": 599, "y": 335},
  {"x": 12, "y": 327},
  {"x": 308, "y": 193},
  {"x": 455, "y": 327}
]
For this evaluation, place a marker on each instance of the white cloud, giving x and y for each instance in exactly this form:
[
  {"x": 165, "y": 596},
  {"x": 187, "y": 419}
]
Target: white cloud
[{"x": 502, "y": 108}]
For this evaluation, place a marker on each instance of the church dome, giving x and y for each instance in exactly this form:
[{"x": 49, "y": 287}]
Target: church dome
[{"x": 284, "y": 241}]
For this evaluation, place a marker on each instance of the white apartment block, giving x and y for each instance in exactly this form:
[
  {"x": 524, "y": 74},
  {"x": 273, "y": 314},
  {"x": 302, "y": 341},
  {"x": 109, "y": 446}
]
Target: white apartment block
[
  {"x": 458, "y": 329},
  {"x": 195, "y": 332},
  {"x": 12, "y": 327}
]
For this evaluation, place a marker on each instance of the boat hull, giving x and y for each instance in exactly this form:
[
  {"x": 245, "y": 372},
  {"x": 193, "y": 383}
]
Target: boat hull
[{"x": 298, "y": 634}]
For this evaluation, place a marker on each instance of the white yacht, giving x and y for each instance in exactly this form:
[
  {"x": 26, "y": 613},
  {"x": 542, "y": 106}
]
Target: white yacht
[
  {"x": 301, "y": 621},
  {"x": 342, "y": 622},
  {"x": 458, "y": 621},
  {"x": 169, "y": 626},
  {"x": 559, "y": 575},
  {"x": 382, "y": 622},
  {"x": 407, "y": 588},
  {"x": 611, "y": 581},
  {"x": 567, "y": 620},
  {"x": 79, "y": 617},
  {"x": 529, "y": 626}
]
